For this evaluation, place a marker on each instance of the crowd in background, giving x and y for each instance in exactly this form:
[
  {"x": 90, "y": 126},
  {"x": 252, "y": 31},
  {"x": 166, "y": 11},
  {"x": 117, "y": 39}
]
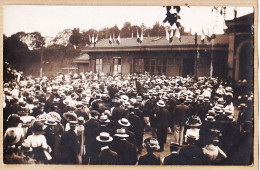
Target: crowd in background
[{"x": 91, "y": 118}]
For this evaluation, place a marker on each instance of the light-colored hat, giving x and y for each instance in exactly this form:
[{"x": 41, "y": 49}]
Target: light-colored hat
[
  {"x": 104, "y": 137},
  {"x": 124, "y": 122},
  {"x": 160, "y": 103},
  {"x": 104, "y": 118},
  {"x": 121, "y": 133}
]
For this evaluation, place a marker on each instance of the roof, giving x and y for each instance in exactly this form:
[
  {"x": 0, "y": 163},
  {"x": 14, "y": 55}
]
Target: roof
[
  {"x": 82, "y": 59},
  {"x": 155, "y": 43},
  {"x": 246, "y": 19}
]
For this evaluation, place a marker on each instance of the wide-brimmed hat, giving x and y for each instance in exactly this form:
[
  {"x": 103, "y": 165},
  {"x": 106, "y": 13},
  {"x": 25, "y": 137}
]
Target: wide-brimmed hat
[
  {"x": 50, "y": 122},
  {"x": 104, "y": 137},
  {"x": 104, "y": 118},
  {"x": 160, "y": 103},
  {"x": 121, "y": 133},
  {"x": 124, "y": 122},
  {"x": 210, "y": 118},
  {"x": 38, "y": 126},
  {"x": 25, "y": 147},
  {"x": 194, "y": 121},
  {"x": 124, "y": 98},
  {"x": 14, "y": 119},
  {"x": 70, "y": 116}
]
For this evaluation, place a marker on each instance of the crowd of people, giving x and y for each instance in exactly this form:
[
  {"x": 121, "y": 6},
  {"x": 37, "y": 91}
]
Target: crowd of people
[{"x": 102, "y": 119}]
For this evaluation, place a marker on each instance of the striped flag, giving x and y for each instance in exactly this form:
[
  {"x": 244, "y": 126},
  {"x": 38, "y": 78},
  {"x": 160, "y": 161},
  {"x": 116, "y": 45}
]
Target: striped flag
[
  {"x": 167, "y": 35},
  {"x": 142, "y": 36},
  {"x": 178, "y": 34},
  {"x": 171, "y": 36},
  {"x": 118, "y": 39},
  {"x": 110, "y": 39},
  {"x": 138, "y": 38},
  {"x": 89, "y": 38}
]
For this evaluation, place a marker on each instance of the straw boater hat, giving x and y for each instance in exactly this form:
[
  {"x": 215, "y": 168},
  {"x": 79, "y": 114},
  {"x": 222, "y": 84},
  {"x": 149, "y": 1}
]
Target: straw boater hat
[
  {"x": 194, "y": 121},
  {"x": 104, "y": 118},
  {"x": 73, "y": 123},
  {"x": 160, "y": 103},
  {"x": 50, "y": 122},
  {"x": 124, "y": 122},
  {"x": 210, "y": 118},
  {"x": 121, "y": 133},
  {"x": 70, "y": 116},
  {"x": 104, "y": 137}
]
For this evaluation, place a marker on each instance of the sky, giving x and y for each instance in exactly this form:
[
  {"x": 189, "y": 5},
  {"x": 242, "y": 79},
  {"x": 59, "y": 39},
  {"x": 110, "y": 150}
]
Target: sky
[{"x": 49, "y": 20}]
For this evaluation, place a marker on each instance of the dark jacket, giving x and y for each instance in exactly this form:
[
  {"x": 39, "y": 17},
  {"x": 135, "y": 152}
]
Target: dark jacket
[
  {"x": 127, "y": 152},
  {"x": 69, "y": 148},
  {"x": 180, "y": 114},
  {"x": 106, "y": 157},
  {"x": 162, "y": 118},
  {"x": 172, "y": 159},
  {"x": 91, "y": 131},
  {"x": 136, "y": 124},
  {"x": 149, "y": 159}
]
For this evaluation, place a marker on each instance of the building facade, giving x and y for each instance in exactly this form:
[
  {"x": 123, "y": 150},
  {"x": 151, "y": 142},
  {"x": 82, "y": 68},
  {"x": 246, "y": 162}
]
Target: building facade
[{"x": 188, "y": 56}]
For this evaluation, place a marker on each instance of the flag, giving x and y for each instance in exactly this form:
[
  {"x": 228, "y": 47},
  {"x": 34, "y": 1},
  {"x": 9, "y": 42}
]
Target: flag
[
  {"x": 96, "y": 39},
  {"x": 171, "y": 36},
  {"x": 138, "y": 38},
  {"x": 110, "y": 39},
  {"x": 142, "y": 36},
  {"x": 93, "y": 39},
  {"x": 178, "y": 34},
  {"x": 202, "y": 36},
  {"x": 89, "y": 39},
  {"x": 114, "y": 39},
  {"x": 132, "y": 34},
  {"x": 167, "y": 35},
  {"x": 118, "y": 39}
]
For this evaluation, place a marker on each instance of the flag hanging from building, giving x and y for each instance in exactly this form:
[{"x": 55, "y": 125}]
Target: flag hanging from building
[
  {"x": 114, "y": 39},
  {"x": 110, "y": 39},
  {"x": 118, "y": 39},
  {"x": 142, "y": 36},
  {"x": 138, "y": 38},
  {"x": 178, "y": 34},
  {"x": 96, "y": 39},
  {"x": 167, "y": 35},
  {"x": 89, "y": 38},
  {"x": 171, "y": 36},
  {"x": 93, "y": 39},
  {"x": 202, "y": 38}
]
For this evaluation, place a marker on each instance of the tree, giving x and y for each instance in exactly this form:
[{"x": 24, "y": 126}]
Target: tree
[
  {"x": 38, "y": 40},
  {"x": 126, "y": 30},
  {"x": 75, "y": 38},
  {"x": 157, "y": 30}
]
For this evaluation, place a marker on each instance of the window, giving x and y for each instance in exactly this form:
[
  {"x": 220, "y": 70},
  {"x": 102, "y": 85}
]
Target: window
[
  {"x": 117, "y": 64},
  {"x": 156, "y": 66},
  {"x": 98, "y": 65}
]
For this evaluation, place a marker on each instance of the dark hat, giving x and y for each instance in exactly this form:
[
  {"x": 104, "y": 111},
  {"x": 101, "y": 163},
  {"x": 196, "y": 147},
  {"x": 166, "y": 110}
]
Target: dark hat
[
  {"x": 38, "y": 126},
  {"x": 124, "y": 122},
  {"x": 94, "y": 113},
  {"x": 174, "y": 146},
  {"x": 11, "y": 137},
  {"x": 121, "y": 133},
  {"x": 104, "y": 137},
  {"x": 14, "y": 119}
]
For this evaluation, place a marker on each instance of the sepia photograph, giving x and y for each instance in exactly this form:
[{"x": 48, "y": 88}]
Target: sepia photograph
[{"x": 128, "y": 85}]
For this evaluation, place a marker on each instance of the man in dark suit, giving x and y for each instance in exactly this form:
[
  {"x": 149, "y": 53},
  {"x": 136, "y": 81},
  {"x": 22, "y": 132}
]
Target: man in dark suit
[
  {"x": 127, "y": 152},
  {"x": 79, "y": 111},
  {"x": 180, "y": 116},
  {"x": 162, "y": 122},
  {"x": 91, "y": 132},
  {"x": 118, "y": 111},
  {"x": 70, "y": 146},
  {"x": 173, "y": 158},
  {"x": 106, "y": 155},
  {"x": 136, "y": 127}
]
